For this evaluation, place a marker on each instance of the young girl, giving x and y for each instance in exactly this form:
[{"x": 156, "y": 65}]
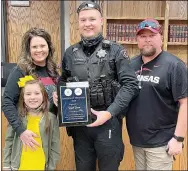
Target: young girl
[
  {"x": 33, "y": 109},
  {"x": 36, "y": 58}
]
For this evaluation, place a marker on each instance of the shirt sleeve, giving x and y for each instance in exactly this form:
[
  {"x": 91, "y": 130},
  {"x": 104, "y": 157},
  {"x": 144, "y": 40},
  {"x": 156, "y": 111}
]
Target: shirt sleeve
[
  {"x": 8, "y": 147},
  {"x": 10, "y": 101},
  {"x": 179, "y": 81},
  {"x": 129, "y": 83},
  {"x": 54, "y": 153}
]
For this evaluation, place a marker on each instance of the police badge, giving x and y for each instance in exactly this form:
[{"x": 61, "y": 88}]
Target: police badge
[{"x": 101, "y": 55}]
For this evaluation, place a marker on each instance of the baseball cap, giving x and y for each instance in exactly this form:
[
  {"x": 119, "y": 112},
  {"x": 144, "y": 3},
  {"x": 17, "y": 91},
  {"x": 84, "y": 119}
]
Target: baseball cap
[
  {"x": 150, "y": 24},
  {"x": 88, "y": 5}
]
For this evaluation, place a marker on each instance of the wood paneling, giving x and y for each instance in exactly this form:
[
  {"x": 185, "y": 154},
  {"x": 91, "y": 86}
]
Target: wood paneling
[
  {"x": 184, "y": 157},
  {"x": 42, "y": 14},
  {"x": 74, "y": 30},
  {"x": 178, "y": 10},
  {"x": 130, "y": 9},
  {"x": 67, "y": 152},
  {"x": 128, "y": 159}
]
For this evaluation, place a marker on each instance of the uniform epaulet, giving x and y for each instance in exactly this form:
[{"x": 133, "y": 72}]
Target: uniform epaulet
[
  {"x": 106, "y": 43},
  {"x": 75, "y": 47}
]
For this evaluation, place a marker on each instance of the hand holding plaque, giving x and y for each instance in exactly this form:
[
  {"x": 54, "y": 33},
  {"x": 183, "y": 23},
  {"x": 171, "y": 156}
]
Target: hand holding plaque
[{"x": 74, "y": 104}]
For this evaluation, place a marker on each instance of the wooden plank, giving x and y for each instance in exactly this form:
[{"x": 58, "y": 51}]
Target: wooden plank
[
  {"x": 183, "y": 157},
  {"x": 74, "y": 30},
  {"x": 104, "y": 17},
  {"x": 142, "y": 9},
  {"x": 178, "y": 10},
  {"x": 132, "y": 18},
  {"x": 66, "y": 161},
  {"x": 128, "y": 42},
  {"x": 178, "y": 43},
  {"x": 165, "y": 31},
  {"x": 128, "y": 159}
]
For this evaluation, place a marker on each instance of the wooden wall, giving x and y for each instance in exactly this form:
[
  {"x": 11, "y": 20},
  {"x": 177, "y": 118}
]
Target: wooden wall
[{"x": 46, "y": 14}]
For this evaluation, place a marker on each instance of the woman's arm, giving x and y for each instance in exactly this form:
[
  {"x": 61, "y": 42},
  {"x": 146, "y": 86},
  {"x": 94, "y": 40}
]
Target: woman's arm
[{"x": 10, "y": 101}]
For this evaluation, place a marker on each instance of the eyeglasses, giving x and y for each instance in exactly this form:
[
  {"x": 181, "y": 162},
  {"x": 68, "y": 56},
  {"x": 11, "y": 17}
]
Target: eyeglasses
[
  {"x": 88, "y": 5},
  {"x": 150, "y": 24}
]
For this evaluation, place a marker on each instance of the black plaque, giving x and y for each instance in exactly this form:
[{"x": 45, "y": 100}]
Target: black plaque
[{"x": 73, "y": 104}]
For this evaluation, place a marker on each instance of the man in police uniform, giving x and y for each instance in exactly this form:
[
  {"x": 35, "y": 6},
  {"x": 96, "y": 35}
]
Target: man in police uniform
[{"x": 113, "y": 84}]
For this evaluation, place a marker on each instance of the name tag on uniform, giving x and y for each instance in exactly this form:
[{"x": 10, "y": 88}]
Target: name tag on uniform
[{"x": 74, "y": 104}]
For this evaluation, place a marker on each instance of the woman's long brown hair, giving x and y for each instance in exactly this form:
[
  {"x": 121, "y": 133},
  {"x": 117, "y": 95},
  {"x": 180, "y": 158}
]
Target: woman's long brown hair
[{"x": 25, "y": 61}]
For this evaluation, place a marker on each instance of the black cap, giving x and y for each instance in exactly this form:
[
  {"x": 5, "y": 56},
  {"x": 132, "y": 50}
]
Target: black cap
[{"x": 88, "y": 5}]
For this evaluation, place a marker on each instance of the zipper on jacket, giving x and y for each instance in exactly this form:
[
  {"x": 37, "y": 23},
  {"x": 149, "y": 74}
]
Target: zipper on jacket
[{"x": 140, "y": 83}]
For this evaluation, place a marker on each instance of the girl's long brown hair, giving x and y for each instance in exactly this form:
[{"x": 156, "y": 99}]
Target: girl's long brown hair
[{"x": 44, "y": 107}]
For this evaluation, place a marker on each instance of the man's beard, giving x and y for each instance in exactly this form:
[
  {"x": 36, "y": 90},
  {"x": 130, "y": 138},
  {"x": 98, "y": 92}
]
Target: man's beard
[{"x": 148, "y": 53}]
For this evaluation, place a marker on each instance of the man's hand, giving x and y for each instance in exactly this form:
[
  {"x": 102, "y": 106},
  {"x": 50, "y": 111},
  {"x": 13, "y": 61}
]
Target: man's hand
[
  {"x": 174, "y": 147},
  {"x": 55, "y": 98},
  {"x": 102, "y": 117},
  {"x": 27, "y": 138}
]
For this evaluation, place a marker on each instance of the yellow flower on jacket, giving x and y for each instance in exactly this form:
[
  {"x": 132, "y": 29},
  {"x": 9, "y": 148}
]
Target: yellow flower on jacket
[{"x": 23, "y": 80}]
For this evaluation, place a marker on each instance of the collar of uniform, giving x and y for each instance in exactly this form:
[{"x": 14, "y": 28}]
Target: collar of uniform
[{"x": 92, "y": 41}]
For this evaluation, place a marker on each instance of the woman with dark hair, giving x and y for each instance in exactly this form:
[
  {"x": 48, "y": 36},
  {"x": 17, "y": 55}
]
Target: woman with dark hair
[{"x": 36, "y": 58}]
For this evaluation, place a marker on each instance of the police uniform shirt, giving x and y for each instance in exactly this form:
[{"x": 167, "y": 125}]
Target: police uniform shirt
[
  {"x": 112, "y": 62},
  {"x": 152, "y": 116}
]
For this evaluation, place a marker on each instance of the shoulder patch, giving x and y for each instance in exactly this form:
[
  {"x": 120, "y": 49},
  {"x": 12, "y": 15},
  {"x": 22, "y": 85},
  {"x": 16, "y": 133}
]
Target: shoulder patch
[
  {"x": 74, "y": 49},
  {"x": 125, "y": 54}
]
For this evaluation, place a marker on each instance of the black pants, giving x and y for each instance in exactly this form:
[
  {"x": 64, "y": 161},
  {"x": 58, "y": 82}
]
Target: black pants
[{"x": 103, "y": 143}]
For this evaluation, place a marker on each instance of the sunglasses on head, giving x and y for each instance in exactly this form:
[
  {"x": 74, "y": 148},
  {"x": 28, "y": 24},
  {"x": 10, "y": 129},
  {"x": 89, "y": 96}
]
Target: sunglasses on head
[
  {"x": 151, "y": 24},
  {"x": 87, "y": 5}
]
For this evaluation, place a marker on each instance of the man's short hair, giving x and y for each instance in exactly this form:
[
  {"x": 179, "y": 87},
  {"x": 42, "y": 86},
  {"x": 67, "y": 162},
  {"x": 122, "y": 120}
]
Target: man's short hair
[{"x": 88, "y": 5}]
